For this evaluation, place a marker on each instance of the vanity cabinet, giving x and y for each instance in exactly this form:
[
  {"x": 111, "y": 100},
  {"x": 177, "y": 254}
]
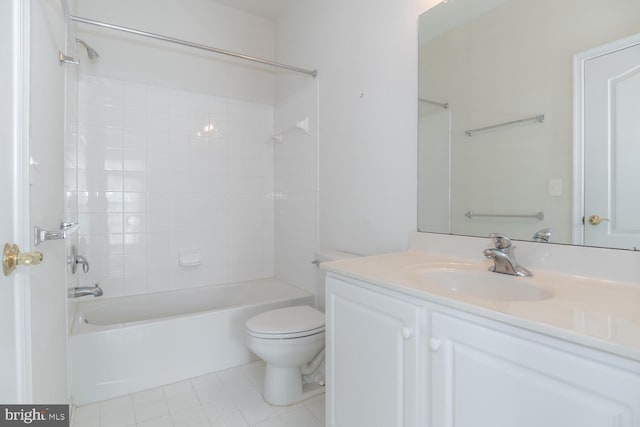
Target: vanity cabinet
[
  {"x": 373, "y": 358},
  {"x": 399, "y": 360},
  {"x": 488, "y": 374}
]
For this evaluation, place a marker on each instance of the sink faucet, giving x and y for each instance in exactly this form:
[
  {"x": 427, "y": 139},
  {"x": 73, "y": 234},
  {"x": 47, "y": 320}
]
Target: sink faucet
[
  {"x": 503, "y": 257},
  {"x": 543, "y": 235},
  {"x": 83, "y": 291}
]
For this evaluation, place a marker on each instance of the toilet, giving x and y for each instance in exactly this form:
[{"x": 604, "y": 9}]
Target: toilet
[{"x": 291, "y": 342}]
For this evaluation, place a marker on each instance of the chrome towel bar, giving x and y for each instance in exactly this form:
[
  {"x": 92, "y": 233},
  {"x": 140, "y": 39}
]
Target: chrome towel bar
[
  {"x": 539, "y": 215},
  {"x": 539, "y": 118}
]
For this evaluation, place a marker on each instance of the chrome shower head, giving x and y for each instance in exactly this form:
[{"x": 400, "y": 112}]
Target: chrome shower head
[{"x": 91, "y": 52}]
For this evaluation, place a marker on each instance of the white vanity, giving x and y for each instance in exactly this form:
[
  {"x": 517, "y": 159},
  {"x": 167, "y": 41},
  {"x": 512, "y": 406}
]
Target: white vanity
[{"x": 411, "y": 342}]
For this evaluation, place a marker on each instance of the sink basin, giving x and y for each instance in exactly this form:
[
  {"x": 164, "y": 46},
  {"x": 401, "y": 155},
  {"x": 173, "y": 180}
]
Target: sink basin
[{"x": 485, "y": 284}]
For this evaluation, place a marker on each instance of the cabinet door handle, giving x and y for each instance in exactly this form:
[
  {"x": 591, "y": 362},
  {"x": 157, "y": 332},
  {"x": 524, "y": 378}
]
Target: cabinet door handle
[
  {"x": 434, "y": 344},
  {"x": 406, "y": 332}
]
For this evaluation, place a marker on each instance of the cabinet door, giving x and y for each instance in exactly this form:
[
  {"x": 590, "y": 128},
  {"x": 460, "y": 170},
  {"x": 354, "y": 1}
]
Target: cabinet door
[
  {"x": 371, "y": 358},
  {"x": 483, "y": 377}
]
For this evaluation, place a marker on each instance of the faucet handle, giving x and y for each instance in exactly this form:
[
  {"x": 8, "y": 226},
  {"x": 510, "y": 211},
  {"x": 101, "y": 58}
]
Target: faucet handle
[{"x": 500, "y": 240}]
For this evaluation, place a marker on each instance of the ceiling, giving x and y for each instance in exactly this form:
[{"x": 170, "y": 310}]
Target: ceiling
[{"x": 269, "y": 9}]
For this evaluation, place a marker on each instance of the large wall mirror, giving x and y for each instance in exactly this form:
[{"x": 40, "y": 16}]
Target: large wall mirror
[{"x": 529, "y": 120}]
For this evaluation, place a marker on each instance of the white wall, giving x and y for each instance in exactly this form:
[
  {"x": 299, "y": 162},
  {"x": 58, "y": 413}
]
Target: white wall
[{"x": 367, "y": 63}]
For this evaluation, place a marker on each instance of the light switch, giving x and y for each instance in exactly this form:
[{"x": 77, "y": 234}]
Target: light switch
[{"x": 554, "y": 187}]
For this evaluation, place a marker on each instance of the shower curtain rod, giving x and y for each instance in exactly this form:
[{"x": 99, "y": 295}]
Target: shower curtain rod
[
  {"x": 444, "y": 105},
  {"x": 312, "y": 73}
]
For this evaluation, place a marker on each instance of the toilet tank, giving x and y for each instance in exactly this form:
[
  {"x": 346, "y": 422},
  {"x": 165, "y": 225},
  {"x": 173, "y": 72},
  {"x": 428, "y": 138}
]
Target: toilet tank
[{"x": 325, "y": 255}]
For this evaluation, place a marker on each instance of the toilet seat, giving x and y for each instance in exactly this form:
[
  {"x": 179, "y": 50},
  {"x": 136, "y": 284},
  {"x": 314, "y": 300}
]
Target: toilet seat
[{"x": 286, "y": 323}]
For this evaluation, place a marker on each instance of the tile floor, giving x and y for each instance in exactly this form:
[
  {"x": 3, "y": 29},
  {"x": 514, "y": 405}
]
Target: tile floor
[{"x": 229, "y": 398}]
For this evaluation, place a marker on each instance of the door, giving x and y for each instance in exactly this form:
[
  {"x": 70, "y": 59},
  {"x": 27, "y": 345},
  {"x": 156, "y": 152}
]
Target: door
[
  {"x": 372, "y": 358},
  {"x": 10, "y": 352},
  {"x": 33, "y": 307},
  {"x": 612, "y": 148}
]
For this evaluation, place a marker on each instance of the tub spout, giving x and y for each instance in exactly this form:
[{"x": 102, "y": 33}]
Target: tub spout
[{"x": 82, "y": 291}]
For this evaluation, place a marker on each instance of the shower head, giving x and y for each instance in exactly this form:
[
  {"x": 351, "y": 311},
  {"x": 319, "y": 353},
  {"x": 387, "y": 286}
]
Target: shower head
[{"x": 91, "y": 52}]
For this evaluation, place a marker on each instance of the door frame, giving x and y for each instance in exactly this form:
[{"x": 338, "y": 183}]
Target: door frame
[{"x": 579, "y": 61}]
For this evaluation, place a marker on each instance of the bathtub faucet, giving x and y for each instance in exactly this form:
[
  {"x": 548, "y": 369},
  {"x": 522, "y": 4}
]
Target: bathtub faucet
[{"x": 83, "y": 291}]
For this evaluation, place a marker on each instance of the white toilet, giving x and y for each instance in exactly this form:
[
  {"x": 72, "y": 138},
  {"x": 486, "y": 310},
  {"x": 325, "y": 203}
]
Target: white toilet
[{"x": 291, "y": 342}]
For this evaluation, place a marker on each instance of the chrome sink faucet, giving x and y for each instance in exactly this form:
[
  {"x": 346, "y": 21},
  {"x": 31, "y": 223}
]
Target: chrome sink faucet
[
  {"x": 504, "y": 258},
  {"x": 82, "y": 291},
  {"x": 543, "y": 235}
]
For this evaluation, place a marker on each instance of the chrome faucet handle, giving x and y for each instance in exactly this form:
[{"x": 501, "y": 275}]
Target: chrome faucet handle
[
  {"x": 543, "y": 235},
  {"x": 500, "y": 241},
  {"x": 74, "y": 260}
]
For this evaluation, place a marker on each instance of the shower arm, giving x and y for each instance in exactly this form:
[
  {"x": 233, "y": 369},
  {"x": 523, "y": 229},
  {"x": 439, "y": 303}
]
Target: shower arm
[{"x": 312, "y": 73}]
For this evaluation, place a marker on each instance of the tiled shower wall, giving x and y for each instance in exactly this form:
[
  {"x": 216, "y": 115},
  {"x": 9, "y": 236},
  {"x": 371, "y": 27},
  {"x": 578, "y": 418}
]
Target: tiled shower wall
[{"x": 162, "y": 172}]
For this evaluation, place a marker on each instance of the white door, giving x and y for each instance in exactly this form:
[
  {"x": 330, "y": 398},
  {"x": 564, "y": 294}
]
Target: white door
[
  {"x": 372, "y": 358},
  {"x": 33, "y": 299},
  {"x": 10, "y": 370},
  {"x": 612, "y": 149}
]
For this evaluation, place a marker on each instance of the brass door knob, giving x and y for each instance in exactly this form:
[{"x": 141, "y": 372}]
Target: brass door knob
[
  {"x": 596, "y": 220},
  {"x": 12, "y": 258}
]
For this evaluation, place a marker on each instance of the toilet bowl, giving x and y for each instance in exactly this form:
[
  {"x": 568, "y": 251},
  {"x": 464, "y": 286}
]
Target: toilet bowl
[
  {"x": 287, "y": 339},
  {"x": 291, "y": 342}
]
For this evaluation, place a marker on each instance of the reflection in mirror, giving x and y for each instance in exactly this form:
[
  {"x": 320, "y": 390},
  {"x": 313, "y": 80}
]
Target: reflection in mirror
[{"x": 499, "y": 149}]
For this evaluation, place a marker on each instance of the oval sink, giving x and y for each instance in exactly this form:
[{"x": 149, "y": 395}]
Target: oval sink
[{"x": 485, "y": 284}]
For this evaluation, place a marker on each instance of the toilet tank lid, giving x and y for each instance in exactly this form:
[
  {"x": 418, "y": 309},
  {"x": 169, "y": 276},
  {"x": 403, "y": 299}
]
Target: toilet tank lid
[
  {"x": 287, "y": 320},
  {"x": 324, "y": 255}
]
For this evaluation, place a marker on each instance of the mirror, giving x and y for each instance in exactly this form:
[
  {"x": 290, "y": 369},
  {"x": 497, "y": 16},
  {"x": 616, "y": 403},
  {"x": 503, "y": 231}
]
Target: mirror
[{"x": 499, "y": 146}]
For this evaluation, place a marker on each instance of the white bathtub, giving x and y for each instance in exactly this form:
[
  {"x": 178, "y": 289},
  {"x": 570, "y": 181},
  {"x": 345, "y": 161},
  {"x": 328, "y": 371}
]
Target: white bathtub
[{"x": 127, "y": 344}]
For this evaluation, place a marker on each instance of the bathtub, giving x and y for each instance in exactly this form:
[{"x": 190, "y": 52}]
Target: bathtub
[{"x": 123, "y": 345}]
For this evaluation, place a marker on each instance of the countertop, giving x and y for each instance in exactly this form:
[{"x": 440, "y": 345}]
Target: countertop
[{"x": 599, "y": 314}]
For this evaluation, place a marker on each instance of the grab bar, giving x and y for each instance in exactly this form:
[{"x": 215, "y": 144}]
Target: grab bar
[
  {"x": 539, "y": 215},
  {"x": 539, "y": 118}
]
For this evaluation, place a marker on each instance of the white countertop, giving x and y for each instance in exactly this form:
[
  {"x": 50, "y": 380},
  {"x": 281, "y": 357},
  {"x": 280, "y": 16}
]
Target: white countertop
[{"x": 597, "y": 313}]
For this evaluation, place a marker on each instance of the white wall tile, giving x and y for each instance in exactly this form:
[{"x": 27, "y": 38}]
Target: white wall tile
[
  {"x": 134, "y": 139},
  {"x": 157, "y": 99},
  {"x": 178, "y": 102},
  {"x": 179, "y": 124},
  {"x": 111, "y": 138},
  {"x": 158, "y": 121},
  {"x": 135, "y": 181},
  {"x": 164, "y": 170},
  {"x": 135, "y": 161},
  {"x": 134, "y": 119}
]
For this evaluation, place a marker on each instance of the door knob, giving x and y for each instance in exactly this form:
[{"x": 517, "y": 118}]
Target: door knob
[
  {"x": 596, "y": 219},
  {"x": 12, "y": 258}
]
